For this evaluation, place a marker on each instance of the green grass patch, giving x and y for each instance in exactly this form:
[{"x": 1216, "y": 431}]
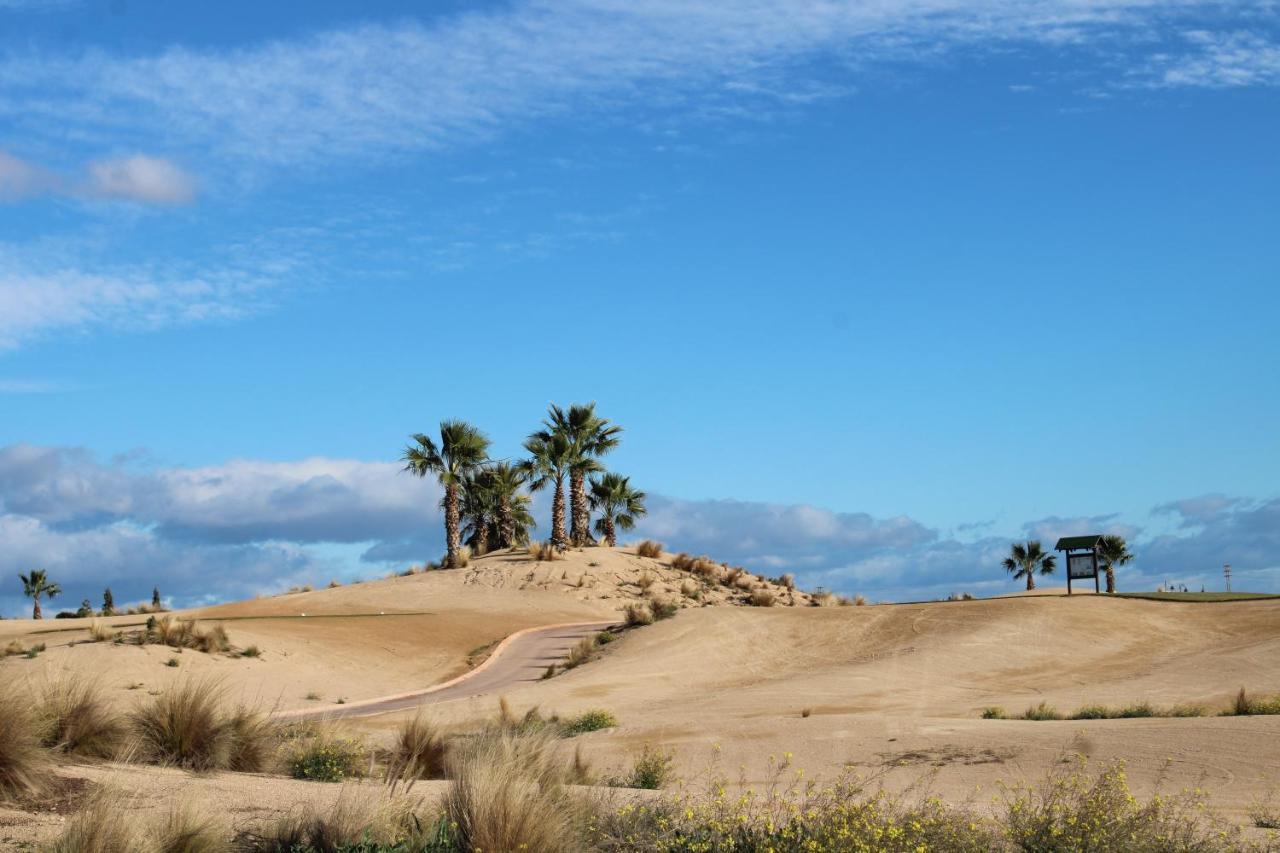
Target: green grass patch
[
  {"x": 588, "y": 721},
  {"x": 1198, "y": 596}
]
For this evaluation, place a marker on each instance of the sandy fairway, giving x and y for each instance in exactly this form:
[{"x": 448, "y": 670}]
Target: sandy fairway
[{"x": 889, "y": 690}]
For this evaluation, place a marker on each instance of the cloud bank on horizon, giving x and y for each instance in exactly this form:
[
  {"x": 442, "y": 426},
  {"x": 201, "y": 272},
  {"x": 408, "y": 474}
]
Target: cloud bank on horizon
[{"x": 245, "y": 527}]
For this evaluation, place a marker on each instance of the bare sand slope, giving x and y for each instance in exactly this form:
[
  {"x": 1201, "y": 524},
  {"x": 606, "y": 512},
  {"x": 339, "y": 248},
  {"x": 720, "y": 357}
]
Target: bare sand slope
[{"x": 900, "y": 689}]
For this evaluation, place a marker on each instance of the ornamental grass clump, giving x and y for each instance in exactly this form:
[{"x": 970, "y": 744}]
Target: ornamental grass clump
[
  {"x": 319, "y": 753},
  {"x": 418, "y": 752},
  {"x": 637, "y": 615},
  {"x": 74, "y": 718},
  {"x": 25, "y": 766},
  {"x": 593, "y": 720}
]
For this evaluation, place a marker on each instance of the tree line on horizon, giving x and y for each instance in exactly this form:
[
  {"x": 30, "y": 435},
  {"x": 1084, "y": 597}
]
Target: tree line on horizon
[{"x": 487, "y": 501}]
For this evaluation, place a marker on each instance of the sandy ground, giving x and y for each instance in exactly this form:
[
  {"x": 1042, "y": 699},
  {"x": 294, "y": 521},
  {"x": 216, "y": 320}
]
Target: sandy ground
[{"x": 892, "y": 692}]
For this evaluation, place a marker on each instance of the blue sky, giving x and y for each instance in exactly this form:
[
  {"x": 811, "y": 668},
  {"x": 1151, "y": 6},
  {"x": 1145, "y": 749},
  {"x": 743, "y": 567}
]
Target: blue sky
[{"x": 874, "y": 288}]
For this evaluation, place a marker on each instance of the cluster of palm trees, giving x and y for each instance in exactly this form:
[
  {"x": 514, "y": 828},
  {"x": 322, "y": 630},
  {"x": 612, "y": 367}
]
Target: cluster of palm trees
[
  {"x": 486, "y": 503},
  {"x": 1027, "y": 559}
]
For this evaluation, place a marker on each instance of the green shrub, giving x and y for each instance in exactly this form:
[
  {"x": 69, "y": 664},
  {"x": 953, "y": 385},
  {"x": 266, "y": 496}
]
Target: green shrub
[
  {"x": 994, "y": 712},
  {"x": 662, "y": 608},
  {"x": 1092, "y": 712},
  {"x": 588, "y": 721},
  {"x": 325, "y": 757},
  {"x": 652, "y": 769},
  {"x": 1043, "y": 711}
]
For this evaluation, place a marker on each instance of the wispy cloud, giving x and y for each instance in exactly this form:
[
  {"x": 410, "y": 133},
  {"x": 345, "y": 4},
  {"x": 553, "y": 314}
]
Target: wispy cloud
[
  {"x": 138, "y": 177},
  {"x": 30, "y": 386},
  {"x": 383, "y": 89}
]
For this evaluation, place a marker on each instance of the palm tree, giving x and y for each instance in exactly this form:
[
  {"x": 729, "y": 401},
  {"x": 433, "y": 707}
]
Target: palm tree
[
  {"x": 619, "y": 505},
  {"x": 589, "y": 437},
  {"x": 513, "y": 517},
  {"x": 462, "y": 451},
  {"x": 548, "y": 462},
  {"x": 479, "y": 510},
  {"x": 1113, "y": 551},
  {"x": 35, "y": 585},
  {"x": 1025, "y": 560}
]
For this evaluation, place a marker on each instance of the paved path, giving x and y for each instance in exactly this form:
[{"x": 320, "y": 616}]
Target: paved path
[{"x": 520, "y": 659}]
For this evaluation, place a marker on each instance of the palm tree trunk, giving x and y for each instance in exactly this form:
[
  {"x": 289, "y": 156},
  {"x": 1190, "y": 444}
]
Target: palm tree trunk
[
  {"x": 482, "y": 536},
  {"x": 580, "y": 524},
  {"x": 506, "y": 525},
  {"x": 610, "y": 535},
  {"x": 1031, "y": 580},
  {"x": 452, "y": 526},
  {"x": 35, "y": 611},
  {"x": 558, "y": 537},
  {"x": 1111, "y": 578}
]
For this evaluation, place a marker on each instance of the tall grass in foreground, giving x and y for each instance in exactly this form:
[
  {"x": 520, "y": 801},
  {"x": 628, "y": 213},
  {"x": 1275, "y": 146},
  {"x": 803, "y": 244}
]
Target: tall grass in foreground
[
  {"x": 509, "y": 793},
  {"x": 104, "y": 824},
  {"x": 187, "y": 726},
  {"x": 418, "y": 752},
  {"x": 24, "y": 764},
  {"x": 75, "y": 718}
]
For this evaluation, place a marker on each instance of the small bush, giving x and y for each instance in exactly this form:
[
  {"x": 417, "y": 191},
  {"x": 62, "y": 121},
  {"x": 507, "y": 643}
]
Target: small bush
[
  {"x": 251, "y": 741},
  {"x": 173, "y": 662},
  {"x": 102, "y": 825},
  {"x": 1246, "y": 705},
  {"x": 649, "y": 548},
  {"x": 74, "y": 718},
  {"x": 588, "y": 721},
  {"x": 859, "y": 601},
  {"x": 419, "y": 752},
  {"x": 322, "y": 755},
  {"x": 251, "y": 652},
  {"x": 1137, "y": 709},
  {"x": 689, "y": 589},
  {"x": 707, "y": 568},
  {"x": 335, "y": 583},
  {"x": 1187, "y": 711},
  {"x": 663, "y": 608},
  {"x": 604, "y": 638},
  {"x": 762, "y": 598},
  {"x": 731, "y": 577},
  {"x": 24, "y": 765},
  {"x": 652, "y": 769},
  {"x": 637, "y": 615},
  {"x": 787, "y": 581},
  {"x": 645, "y": 581},
  {"x": 744, "y": 581},
  {"x": 1043, "y": 711},
  {"x": 209, "y": 640},
  {"x": 543, "y": 552},
  {"x": 462, "y": 559},
  {"x": 825, "y": 599},
  {"x": 1074, "y": 809},
  {"x": 359, "y": 821},
  {"x": 994, "y": 712},
  {"x": 188, "y": 829},
  {"x": 806, "y": 713},
  {"x": 1092, "y": 712}
]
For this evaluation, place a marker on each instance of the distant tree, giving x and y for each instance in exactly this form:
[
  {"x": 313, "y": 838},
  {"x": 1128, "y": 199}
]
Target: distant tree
[
  {"x": 462, "y": 450},
  {"x": 1025, "y": 560},
  {"x": 618, "y": 503},
  {"x": 548, "y": 463},
  {"x": 108, "y": 603},
  {"x": 1113, "y": 551},
  {"x": 478, "y": 510},
  {"x": 155, "y": 597},
  {"x": 86, "y": 609},
  {"x": 35, "y": 585}
]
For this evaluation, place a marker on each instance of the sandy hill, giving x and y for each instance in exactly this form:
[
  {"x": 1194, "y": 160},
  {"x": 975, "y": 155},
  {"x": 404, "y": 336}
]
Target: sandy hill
[{"x": 378, "y": 637}]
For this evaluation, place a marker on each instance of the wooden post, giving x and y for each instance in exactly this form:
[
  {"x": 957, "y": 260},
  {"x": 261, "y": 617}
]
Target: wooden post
[{"x": 1068, "y": 571}]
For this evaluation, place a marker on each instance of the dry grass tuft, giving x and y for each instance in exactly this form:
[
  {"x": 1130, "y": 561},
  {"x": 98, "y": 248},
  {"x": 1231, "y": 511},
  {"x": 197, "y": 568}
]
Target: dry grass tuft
[
  {"x": 825, "y": 599},
  {"x": 637, "y": 615},
  {"x": 100, "y": 632},
  {"x": 645, "y": 581},
  {"x": 188, "y": 829},
  {"x": 744, "y": 581},
  {"x": 663, "y": 608},
  {"x": 860, "y": 601},
  {"x": 419, "y": 752},
  {"x": 357, "y": 820},
  {"x": 543, "y": 552},
  {"x": 183, "y": 726},
  {"x": 24, "y": 765},
  {"x": 707, "y": 568},
  {"x": 252, "y": 740},
  {"x": 509, "y": 794},
  {"x": 74, "y": 718},
  {"x": 762, "y": 598},
  {"x": 689, "y": 589},
  {"x": 649, "y": 548},
  {"x": 731, "y": 577},
  {"x": 787, "y": 581},
  {"x": 682, "y": 562},
  {"x": 584, "y": 651},
  {"x": 102, "y": 825}
]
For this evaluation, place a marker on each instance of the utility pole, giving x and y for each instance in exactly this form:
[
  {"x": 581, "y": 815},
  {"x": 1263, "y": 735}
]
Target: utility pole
[{"x": 1226, "y": 573}]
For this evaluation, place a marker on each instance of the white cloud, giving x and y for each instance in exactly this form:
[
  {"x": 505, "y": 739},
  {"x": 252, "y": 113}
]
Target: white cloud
[
  {"x": 141, "y": 178},
  {"x": 379, "y": 89},
  {"x": 19, "y": 179},
  {"x": 1220, "y": 60}
]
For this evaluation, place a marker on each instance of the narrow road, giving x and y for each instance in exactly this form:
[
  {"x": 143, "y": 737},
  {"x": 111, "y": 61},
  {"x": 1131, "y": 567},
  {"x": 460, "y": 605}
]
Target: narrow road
[{"x": 520, "y": 659}]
